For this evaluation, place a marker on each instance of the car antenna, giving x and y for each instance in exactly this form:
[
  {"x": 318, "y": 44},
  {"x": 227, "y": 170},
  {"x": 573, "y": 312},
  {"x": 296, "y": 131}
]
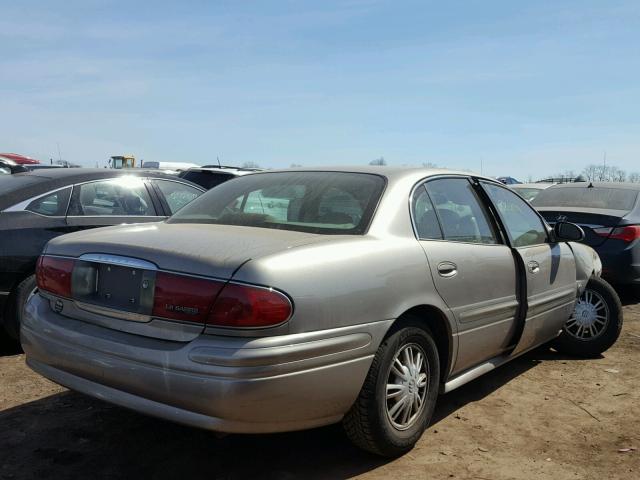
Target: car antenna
[
  {"x": 218, "y": 158},
  {"x": 590, "y": 185}
]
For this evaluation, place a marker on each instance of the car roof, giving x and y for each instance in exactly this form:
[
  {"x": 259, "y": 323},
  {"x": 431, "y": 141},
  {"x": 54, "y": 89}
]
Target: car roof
[
  {"x": 21, "y": 186},
  {"x": 224, "y": 169},
  {"x": 619, "y": 185},
  {"x": 393, "y": 174},
  {"x": 540, "y": 186}
]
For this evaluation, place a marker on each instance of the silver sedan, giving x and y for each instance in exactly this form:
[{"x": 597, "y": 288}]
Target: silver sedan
[{"x": 293, "y": 299}]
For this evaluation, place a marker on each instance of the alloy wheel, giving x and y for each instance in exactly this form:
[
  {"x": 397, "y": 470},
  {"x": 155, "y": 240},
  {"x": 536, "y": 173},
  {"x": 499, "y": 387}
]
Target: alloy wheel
[
  {"x": 590, "y": 316},
  {"x": 406, "y": 387}
]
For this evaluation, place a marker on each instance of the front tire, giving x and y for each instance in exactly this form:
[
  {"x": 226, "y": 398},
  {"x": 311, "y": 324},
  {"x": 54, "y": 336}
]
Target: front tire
[
  {"x": 399, "y": 394},
  {"x": 595, "y": 324}
]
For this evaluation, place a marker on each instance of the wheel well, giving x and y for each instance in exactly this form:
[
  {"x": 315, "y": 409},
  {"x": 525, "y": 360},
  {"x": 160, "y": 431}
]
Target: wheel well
[
  {"x": 11, "y": 298},
  {"x": 438, "y": 324}
]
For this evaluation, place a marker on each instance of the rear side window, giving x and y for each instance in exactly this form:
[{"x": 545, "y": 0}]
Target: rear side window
[
  {"x": 522, "y": 223},
  {"x": 52, "y": 205},
  {"x": 317, "y": 202},
  {"x": 205, "y": 178},
  {"x": 585, "y": 197},
  {"x": 460, "y": 211},
  {"x": 424, "y": 216},
  {"x": 177, "y": 194},
  {"x": 124, "y": 196}
]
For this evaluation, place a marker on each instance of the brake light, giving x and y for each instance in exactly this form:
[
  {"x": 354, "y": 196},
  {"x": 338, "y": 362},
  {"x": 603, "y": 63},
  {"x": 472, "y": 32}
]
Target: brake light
[
  {"x": 247, "y": 306},
  {"x": 627, "y": 234},
  {"x": 179, "y": 297},
  {"x": 53, "y": 275},
  {"x": 603, "y": 232}
]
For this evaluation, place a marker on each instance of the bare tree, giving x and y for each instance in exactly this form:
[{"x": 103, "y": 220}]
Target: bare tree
[
  {"x": 590, "y": 171},
  {"x": 429, "y": 165},
  {"x": 295, "y": 165},
  {"x": 381, "y": 162},
  {"x": 605, "y": 173},
  {"x": 634, "y": 177}
]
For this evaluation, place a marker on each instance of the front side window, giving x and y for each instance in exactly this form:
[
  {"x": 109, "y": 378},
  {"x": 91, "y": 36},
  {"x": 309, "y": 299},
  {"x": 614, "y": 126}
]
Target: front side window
[
  {"x": 317, "y": 202},
  {"x": 522, "y": 223},
  {"x": 125, "y": 196},
  {"x": 177, "y": 194},
  {"x": 54, "y": 204},
  {"x": 460, "y": 211}
]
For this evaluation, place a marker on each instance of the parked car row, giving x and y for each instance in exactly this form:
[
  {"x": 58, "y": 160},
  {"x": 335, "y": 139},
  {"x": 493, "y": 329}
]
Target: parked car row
[{"x": 285, "y": 300}]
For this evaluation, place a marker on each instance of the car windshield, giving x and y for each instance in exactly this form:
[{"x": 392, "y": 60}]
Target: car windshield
[
  {"x": 587, "y": 197},
  {"x": 316, "y": 202}
]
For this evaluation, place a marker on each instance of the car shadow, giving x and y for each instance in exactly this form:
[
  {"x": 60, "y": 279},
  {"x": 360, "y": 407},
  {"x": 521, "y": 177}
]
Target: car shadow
[
  {"x": 81, "y": 436},
  {"x": 8, "y": 346},
  {"x": 629, "y": 294}
]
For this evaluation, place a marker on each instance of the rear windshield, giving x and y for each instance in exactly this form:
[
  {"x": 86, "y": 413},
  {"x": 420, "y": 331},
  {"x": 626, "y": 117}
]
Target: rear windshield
[
  {"x": 316, "y": 202},
  {"x": 205, "y": 178},
  {"x": 585, "y": 197}
]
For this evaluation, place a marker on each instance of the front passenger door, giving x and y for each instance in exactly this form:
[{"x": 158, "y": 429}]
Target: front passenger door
[{"x": 549, "y": 268}]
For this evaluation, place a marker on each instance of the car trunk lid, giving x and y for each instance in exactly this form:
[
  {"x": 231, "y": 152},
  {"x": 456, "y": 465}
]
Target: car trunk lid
[
  {"x": 145, "y": 279},
  {"x": 596, "y": 223}
]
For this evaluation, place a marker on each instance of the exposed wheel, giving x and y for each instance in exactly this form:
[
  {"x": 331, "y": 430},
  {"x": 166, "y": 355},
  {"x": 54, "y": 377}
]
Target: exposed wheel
[
  {"x": 595, "y": 324},
  {"x": 399, "y": 394},
  {"x": 23, "y": 293}
]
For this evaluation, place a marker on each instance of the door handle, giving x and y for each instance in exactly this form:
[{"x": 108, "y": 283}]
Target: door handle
[
  {"x": 447, "y": 269},
  {"x": 533, "y": 266}
]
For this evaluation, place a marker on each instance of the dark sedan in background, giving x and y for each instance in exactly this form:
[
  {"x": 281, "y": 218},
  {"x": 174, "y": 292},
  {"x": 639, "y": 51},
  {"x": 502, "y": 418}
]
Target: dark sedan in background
[
  {"x": 38, "y": 206},
  {"x": 609, "y": 214}
]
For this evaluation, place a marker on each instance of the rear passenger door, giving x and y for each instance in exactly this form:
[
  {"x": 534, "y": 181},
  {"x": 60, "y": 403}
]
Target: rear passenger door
[
  {"x": 473, "y": 270},
  {"x": 549, "y": 268},
  {"x": 112, "y": 202}
]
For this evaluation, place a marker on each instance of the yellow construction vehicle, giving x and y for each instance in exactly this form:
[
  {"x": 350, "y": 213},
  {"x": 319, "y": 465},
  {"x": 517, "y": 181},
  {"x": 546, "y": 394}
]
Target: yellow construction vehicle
[{"x": 122, "y": 161}]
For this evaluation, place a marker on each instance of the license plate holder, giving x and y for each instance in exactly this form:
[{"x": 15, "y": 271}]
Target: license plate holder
[{"x": 116, "y": 287}]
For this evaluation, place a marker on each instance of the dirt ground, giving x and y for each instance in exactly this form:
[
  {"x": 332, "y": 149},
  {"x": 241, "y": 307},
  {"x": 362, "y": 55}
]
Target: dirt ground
[{"x": 543, "y": 416}]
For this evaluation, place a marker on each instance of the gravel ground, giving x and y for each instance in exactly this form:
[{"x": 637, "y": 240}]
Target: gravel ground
[{"x": 543, "y": 416}]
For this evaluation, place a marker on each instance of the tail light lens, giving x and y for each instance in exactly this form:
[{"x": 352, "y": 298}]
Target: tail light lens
[
  {"x": 627, "y": 234},
  {"x": 53, "y": 275},
  {"x": 199, "y": 300},
  {"x": 247, "y": 306},
  {"x": 179, "y": 297}
]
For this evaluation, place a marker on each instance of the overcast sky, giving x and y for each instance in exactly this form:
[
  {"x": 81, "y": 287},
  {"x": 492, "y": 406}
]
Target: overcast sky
[{"x": 529, "y": 88}]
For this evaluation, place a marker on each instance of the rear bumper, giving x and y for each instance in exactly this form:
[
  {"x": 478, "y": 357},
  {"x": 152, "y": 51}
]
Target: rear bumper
[
  {"x": 241, "y": 385},
  {"x": 620, "y": 266}
]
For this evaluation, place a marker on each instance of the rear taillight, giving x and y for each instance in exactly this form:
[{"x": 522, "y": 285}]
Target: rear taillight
[
  {"x": 179, "y": 297},
  {"x": 247, "y": 306},
  {"x": 627, "y": 234},
  {"x": 53, "y": 275}
]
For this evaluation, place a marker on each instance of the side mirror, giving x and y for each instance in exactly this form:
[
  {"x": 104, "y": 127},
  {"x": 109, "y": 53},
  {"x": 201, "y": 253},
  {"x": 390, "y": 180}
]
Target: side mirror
[{"x": 568, "y": 232}]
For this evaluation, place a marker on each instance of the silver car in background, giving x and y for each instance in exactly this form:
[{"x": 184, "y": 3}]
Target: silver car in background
[{"x": 288, "y": 300}]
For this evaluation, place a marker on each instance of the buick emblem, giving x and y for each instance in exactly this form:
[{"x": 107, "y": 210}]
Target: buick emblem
[{"x": 58, "y": 306}]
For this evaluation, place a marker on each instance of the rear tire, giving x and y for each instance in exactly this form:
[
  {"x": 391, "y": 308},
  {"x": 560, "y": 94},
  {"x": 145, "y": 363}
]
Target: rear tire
[
  {"x": 595, "y": 324},
  {"x": 399, "y": 394},
  {"x": 13, "y": 319}
]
